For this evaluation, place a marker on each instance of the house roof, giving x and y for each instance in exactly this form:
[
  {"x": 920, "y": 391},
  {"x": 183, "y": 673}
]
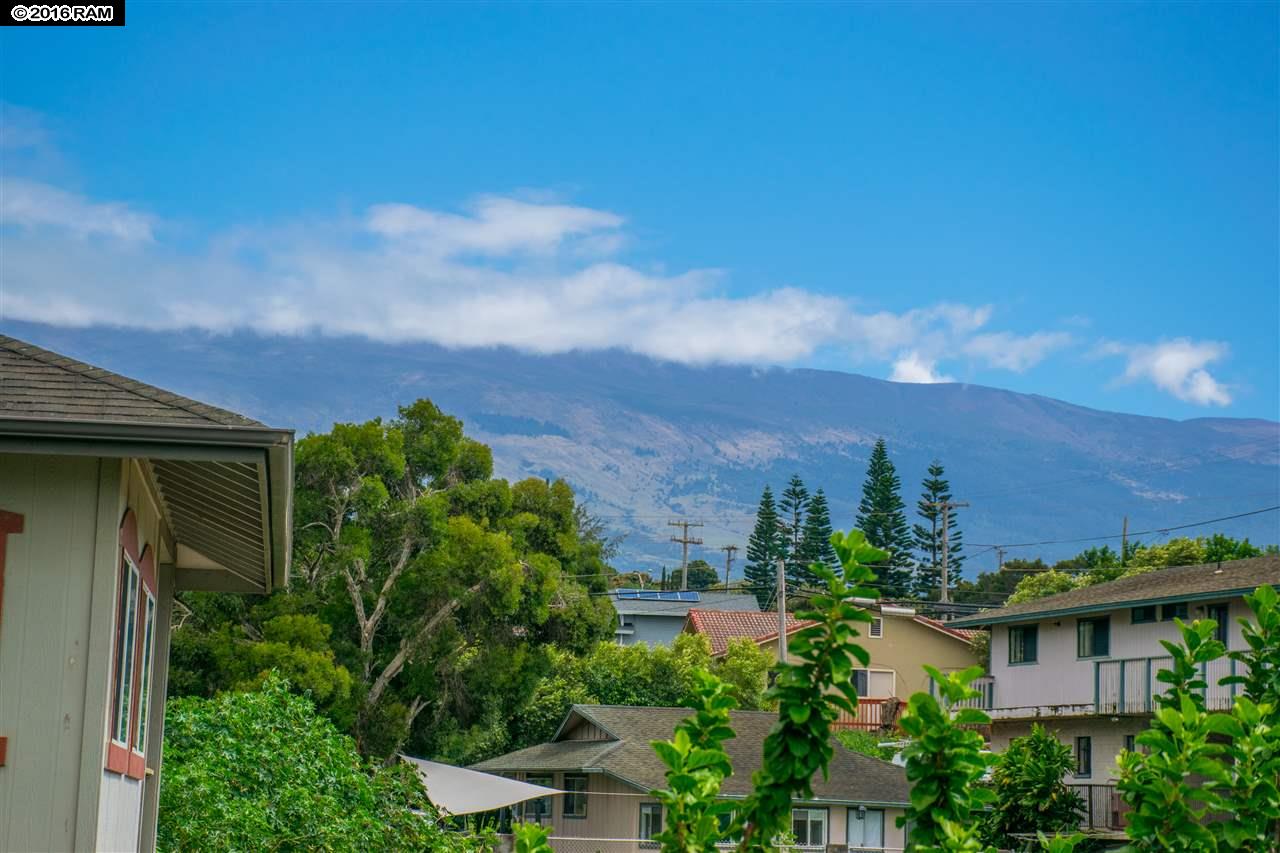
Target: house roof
[
  {"x": 853, "y": 778},
  {"x": 225, "y": 480},
  {"x": 721, "y": 626},
  {"x": 1181, "y": 583},
  {"x": 966, "y": 634},
  {"x": 679, "y": 609},
  {"x": 36, "y": 383}
]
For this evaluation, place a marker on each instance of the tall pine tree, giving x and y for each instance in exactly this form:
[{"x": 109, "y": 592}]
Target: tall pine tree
[
  {"x": 815, "y": 545},
  {"x": 766, "y": 545},
  {"x": 882, "y": 516},
  {"x": 928, "y": 536},
  {"x": 791, "y": 512}
]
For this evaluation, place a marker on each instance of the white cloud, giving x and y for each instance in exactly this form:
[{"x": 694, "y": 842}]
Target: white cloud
[
  {"x": 1015, "y": 352},
  {"x": 498, "y": 226},
  {"x": 31, "y": 204},
  {"x": 543, "y": 277},
  {"x": 1176, "y": 367},
  {"x": 913, "y": 367}
]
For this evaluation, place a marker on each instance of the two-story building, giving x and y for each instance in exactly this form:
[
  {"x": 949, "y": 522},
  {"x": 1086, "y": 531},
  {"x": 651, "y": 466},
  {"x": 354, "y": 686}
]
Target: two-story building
[
  {"x": 1084, "y": 663},
  {"x": 899, "y": 640}
]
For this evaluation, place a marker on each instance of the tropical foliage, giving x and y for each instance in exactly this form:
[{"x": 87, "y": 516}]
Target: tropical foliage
[{"x": 261, "y": 770}]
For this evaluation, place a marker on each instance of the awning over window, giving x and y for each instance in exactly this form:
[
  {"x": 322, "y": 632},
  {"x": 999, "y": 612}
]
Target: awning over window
[{"x": 460, "y": 791}]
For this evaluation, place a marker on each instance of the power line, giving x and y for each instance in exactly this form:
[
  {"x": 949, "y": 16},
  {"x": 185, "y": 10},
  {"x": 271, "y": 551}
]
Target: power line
[{"x": 1160, "y": 530}]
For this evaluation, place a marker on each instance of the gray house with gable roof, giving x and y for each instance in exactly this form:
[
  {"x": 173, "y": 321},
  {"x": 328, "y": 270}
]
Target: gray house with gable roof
[
  {"x": 657, "y": 617},
  {"x": 602, "y": 761},
  {"x": 113, "y": 496}
]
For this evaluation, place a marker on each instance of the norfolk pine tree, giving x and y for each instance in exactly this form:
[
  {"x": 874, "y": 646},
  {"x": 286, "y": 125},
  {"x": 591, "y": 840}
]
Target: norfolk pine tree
[
  {"x": 928, "y": 536},
  {"x": 766, "y": 545},
  {"x": 883, "y": 519},
  {"x": 791, "y": 510},
  {"x": 815, "y": 545}
]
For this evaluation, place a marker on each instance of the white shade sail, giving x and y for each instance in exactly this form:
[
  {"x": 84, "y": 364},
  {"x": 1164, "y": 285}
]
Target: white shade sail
[{"x": 460, "y": 791}]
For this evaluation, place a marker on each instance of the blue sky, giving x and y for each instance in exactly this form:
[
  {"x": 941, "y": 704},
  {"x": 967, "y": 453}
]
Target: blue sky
[{"x": 1075, "y": 200}]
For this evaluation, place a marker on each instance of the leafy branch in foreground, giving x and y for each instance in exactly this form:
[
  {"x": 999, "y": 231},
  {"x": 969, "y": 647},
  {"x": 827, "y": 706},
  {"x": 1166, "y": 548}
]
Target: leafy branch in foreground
[
  {"x": 946, "y": 758},
  {"x": 1234, "y": 757}
]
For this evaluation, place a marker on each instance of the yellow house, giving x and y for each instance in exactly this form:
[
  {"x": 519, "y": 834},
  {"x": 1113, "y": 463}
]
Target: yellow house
[{"x": 900, "y": 641}]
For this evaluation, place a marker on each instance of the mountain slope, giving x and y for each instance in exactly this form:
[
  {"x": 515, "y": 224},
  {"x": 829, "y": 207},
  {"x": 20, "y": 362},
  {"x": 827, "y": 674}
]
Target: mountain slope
[{"x": 644, "y": 441}]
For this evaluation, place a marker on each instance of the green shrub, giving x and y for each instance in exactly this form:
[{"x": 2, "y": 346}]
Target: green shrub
[{"x": 261, "y": 770}]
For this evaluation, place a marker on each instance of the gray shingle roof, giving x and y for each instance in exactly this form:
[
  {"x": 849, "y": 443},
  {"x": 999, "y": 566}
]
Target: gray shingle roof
[
  {"x": 854, "y": 778},
  {"x": 37, "y": 384},
  {"x": 707, "y": 601},
  {"x": 1206, "y": 580}
]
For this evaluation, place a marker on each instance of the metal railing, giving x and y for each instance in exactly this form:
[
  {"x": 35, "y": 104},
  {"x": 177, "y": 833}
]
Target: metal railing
[
  {"x": 1102, "y": 807},
  {"x": 1130, "y": 685},
  {"x": 986, "y": 698}
]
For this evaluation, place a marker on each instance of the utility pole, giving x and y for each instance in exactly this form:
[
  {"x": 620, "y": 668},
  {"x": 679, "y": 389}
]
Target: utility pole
[
  {"x": 729, "y": 551},
  {"x": 782, "y": 611},
  {"x": 945, "y": 508},
  {"x": 685, "y": 541},
  {"x": 1000, "y": 549},
  {"x": 1124, "y": 541}
]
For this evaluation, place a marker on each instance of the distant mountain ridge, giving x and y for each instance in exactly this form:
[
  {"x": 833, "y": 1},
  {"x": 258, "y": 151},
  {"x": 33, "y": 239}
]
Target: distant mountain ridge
[{"x": 644, "y": 441}]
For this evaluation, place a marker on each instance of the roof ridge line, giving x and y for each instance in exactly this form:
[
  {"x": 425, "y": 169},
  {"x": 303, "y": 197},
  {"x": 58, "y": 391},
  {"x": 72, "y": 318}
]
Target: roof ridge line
[{"x": 155, "y": 394}]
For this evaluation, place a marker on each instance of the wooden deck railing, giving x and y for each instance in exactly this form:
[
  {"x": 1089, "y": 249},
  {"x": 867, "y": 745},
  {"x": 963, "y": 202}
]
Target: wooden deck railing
[{"x": 871, "y": 716}]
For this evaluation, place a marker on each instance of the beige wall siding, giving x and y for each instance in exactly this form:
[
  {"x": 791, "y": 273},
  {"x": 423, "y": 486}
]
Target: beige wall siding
[
  {"x": 1108, "y": 739},
  {"x": 906, "y": 646},
  {"x": 898, "y": 656},
  {"x": 613, "y": 809},
  {"x": 44, "y": 645}
]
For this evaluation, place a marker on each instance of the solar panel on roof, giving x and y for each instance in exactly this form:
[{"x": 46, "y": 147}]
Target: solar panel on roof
[{"x": 628, "y": 594}]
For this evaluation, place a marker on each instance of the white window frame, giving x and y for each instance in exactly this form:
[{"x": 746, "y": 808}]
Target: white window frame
[
  {"x": 876, "y": 631},
  {"x": 809, "y": 812},
  {"x": 849, "y": 823}
]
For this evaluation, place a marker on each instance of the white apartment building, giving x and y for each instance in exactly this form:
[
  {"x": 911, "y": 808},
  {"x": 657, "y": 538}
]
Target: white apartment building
[{"x": 1084, "y": 663}]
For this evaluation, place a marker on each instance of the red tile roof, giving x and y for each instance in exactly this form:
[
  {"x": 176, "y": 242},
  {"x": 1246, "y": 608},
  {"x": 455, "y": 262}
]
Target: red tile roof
[
  {"x": 721, "y": 626},
  {"x": 966, "y": 634}
]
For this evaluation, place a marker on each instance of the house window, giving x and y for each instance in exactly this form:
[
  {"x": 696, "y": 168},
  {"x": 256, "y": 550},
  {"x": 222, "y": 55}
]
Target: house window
[
  {"x": 1084, "y": 756},
  {"x": 134, "y": 648},
  {"x": 1093, "y": 638},
  {"x": 650, "y": 820},
  {"x": 1169, "y": 611},
  {"x": 539, "y": 809},
  {"x": 866, "y": 830},
  {"x": 126, "y": 629},
  {"x": 1143, "y": 614},
  {"x": 1022, "y": 643},
  {"x": 861, "y": 682},
  {"x": 144, "y": 673},
  {"x": 1130, "y": 743},
  {"x": 1220, "y": 614},
  {"x": 809, "y": 826},
  {"x": 575, "y": 797},
  {"x": 877, "y": 628}
]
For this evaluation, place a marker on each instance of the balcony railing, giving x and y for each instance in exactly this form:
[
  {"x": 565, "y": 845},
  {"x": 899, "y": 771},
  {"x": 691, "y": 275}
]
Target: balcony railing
[
  {"x": 1103, "y": 807},
  {"x": 985, "y": 700},
  {"x": 872, "y": 715},
  {"x": 1129, "y": 685}
]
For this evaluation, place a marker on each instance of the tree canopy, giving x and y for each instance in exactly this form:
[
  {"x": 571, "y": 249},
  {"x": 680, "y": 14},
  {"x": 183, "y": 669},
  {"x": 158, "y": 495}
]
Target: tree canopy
[{"x": 425, "y": 592}]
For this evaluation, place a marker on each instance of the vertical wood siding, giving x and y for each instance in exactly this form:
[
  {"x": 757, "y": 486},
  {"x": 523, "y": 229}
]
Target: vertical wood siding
[{"x": 44, "y": 646}]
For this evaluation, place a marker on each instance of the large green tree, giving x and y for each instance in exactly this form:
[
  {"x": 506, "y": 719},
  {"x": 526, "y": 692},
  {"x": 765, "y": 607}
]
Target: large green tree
[
  {"x": 765, "y": 547},
  {"x": 815, "y": 546},
  {"x": 424, "y": 592},
  {"x": 882, "y": 517},
  {"x": 927, "y": 537}
]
